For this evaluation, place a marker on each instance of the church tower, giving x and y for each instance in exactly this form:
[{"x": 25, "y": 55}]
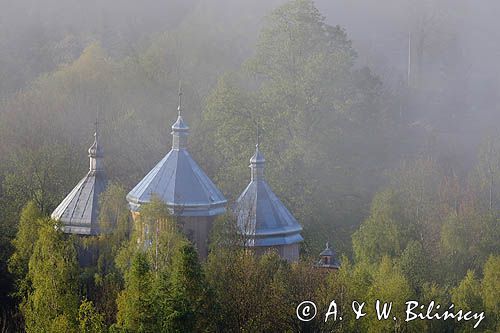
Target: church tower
[
  {"x": 263, "y": 220},
  {"x": 79, "y": 211},
  {"x": 182, "y": 185}
]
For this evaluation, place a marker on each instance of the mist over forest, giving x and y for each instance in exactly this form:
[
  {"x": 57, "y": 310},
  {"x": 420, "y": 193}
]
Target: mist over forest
[
  {"x": 379, "y": 122},
  {"x": 453, "y": 48}
]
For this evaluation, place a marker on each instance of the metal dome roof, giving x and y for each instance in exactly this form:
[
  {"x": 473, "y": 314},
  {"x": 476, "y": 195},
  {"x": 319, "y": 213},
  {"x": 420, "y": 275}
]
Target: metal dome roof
[
  {"x": 261, "y": 215},
  {"x": 79, "y": 211},
  {"x": 179, "y": 182}
]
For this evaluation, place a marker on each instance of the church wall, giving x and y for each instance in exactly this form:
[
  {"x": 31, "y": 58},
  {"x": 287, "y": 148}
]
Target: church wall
[{"x": 195, "y": 228}]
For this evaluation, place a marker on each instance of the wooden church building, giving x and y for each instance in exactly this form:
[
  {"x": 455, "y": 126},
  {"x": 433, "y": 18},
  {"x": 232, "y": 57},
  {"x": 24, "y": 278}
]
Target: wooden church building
[
  {"x": 182, "y": 185},
  {"x": 191, "y": 197}
]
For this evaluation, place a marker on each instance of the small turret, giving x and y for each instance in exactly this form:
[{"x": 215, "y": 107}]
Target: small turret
[
  {"x": 95, "y": 153},
  {"x": 263, "y": 220},
  {"x": 257, "y": 163},
  {"x": 180, "y": 130},
  {"x": 79, "y": 211},
  {"x": 328, "y": 259}
]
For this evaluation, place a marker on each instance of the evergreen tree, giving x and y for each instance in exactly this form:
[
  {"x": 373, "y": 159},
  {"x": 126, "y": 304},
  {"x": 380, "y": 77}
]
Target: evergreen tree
[
  {"x": 467, "y": 296},
  {"x": 90, "y": 321},
  {"x": 27, "y": 234},
  {"x": 135, "y": 304},
  {"x": 53, "y": 271},
  {"x": 188, "y": 304},
  {"x": 490, "y": 288}
]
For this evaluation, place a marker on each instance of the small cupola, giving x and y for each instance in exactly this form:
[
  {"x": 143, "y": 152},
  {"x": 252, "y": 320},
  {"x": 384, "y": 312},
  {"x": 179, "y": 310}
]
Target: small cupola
[
  {"x": 263, "y": 219},
  {"x": 180, "y": 130},
  {"x": 328, "y": 258},
  {"x": 95, "y": 152}
]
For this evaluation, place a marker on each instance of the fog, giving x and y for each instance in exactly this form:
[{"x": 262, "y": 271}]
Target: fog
[
  {"x": 61, "y": 62},
  {"x": 454, "y": 49}
]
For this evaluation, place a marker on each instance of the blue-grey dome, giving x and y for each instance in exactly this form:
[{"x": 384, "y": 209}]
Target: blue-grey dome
[
  {"x": 179, "y": 182},
  {"x": 261, "y": 215},
  {"x": 79, "y": 211}
]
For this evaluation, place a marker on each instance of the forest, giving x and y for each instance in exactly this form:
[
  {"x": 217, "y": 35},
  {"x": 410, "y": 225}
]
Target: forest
[{"x": 378, "y": 121}]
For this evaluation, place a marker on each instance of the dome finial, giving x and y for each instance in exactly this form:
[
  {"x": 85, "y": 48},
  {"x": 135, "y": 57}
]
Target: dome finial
[
  {"x": 258, "y": 135},
  {"x": 257, "y": 161},
  {"x": 95, "y": 151},
  {"x": 179, "y": 128},
  {"x": 257, "y": 157},
  {"x": 179, "y": 108},
  {"x": 96, "y": 124}
]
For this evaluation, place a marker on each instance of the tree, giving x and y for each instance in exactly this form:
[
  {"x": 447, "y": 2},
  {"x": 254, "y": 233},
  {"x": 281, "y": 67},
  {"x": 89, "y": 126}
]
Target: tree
[
  {"x": 135, "y": 305},
  {"x": 440, "y": 294},
  {"x": 116, "y": 228},
  {"x": 26, "y": 237},
  {"x": 234, "y": 278},
  {"x": 53, "y": 271},
  {"x": 318, "y": 115},
  {"x": 148, "y": 261},
  {"x": 41, "y": 174},
  {"x": 467, "y": 296},
  {"x": 467, "y": 240},
  {"x": 225, "y": 234},
  {"x": 415, "y": 266},
  {"x": 159, "y": 233},
  {"x": 417, "y": 184},
  {"x": 188, "y": 303},
  {"x": 385, "y": 232},
  {"x": 389, "y": 285},
  {"x": 488, "y": 172},
  {"x": 490, "y": 288},
  {"x": 90, "y": 321}
]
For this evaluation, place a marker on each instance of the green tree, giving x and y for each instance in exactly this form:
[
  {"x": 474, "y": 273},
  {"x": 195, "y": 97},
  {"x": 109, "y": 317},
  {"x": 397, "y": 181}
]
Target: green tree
[
  {"x": 440, "y": 295},
  {"x": 53, "y": 272},
  {"x": 389, "y": 285},
  {"x": 148, "y": 262},
  {"x": 40, "y": 174},
  {"x": 467, "y": 296},
  {"x": 116, "y": 228},
  {"x": 225, "y": 234},
  {"x": 313, "y": 107},
  {"x": 385, "y": 232},
  {"x": 90, "y": 321},
  {"x": 159, "y": 232},
  {"x": 467, "y": 240},
  {"x": 135, "y": 304},
  {"x": 26, "y": 237},
  {"x": 188, "y": 303},
  {"x": 415, "y": 266},
  {"x": 417, "y": 183},
  {"x": 490, "y": 288}
]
